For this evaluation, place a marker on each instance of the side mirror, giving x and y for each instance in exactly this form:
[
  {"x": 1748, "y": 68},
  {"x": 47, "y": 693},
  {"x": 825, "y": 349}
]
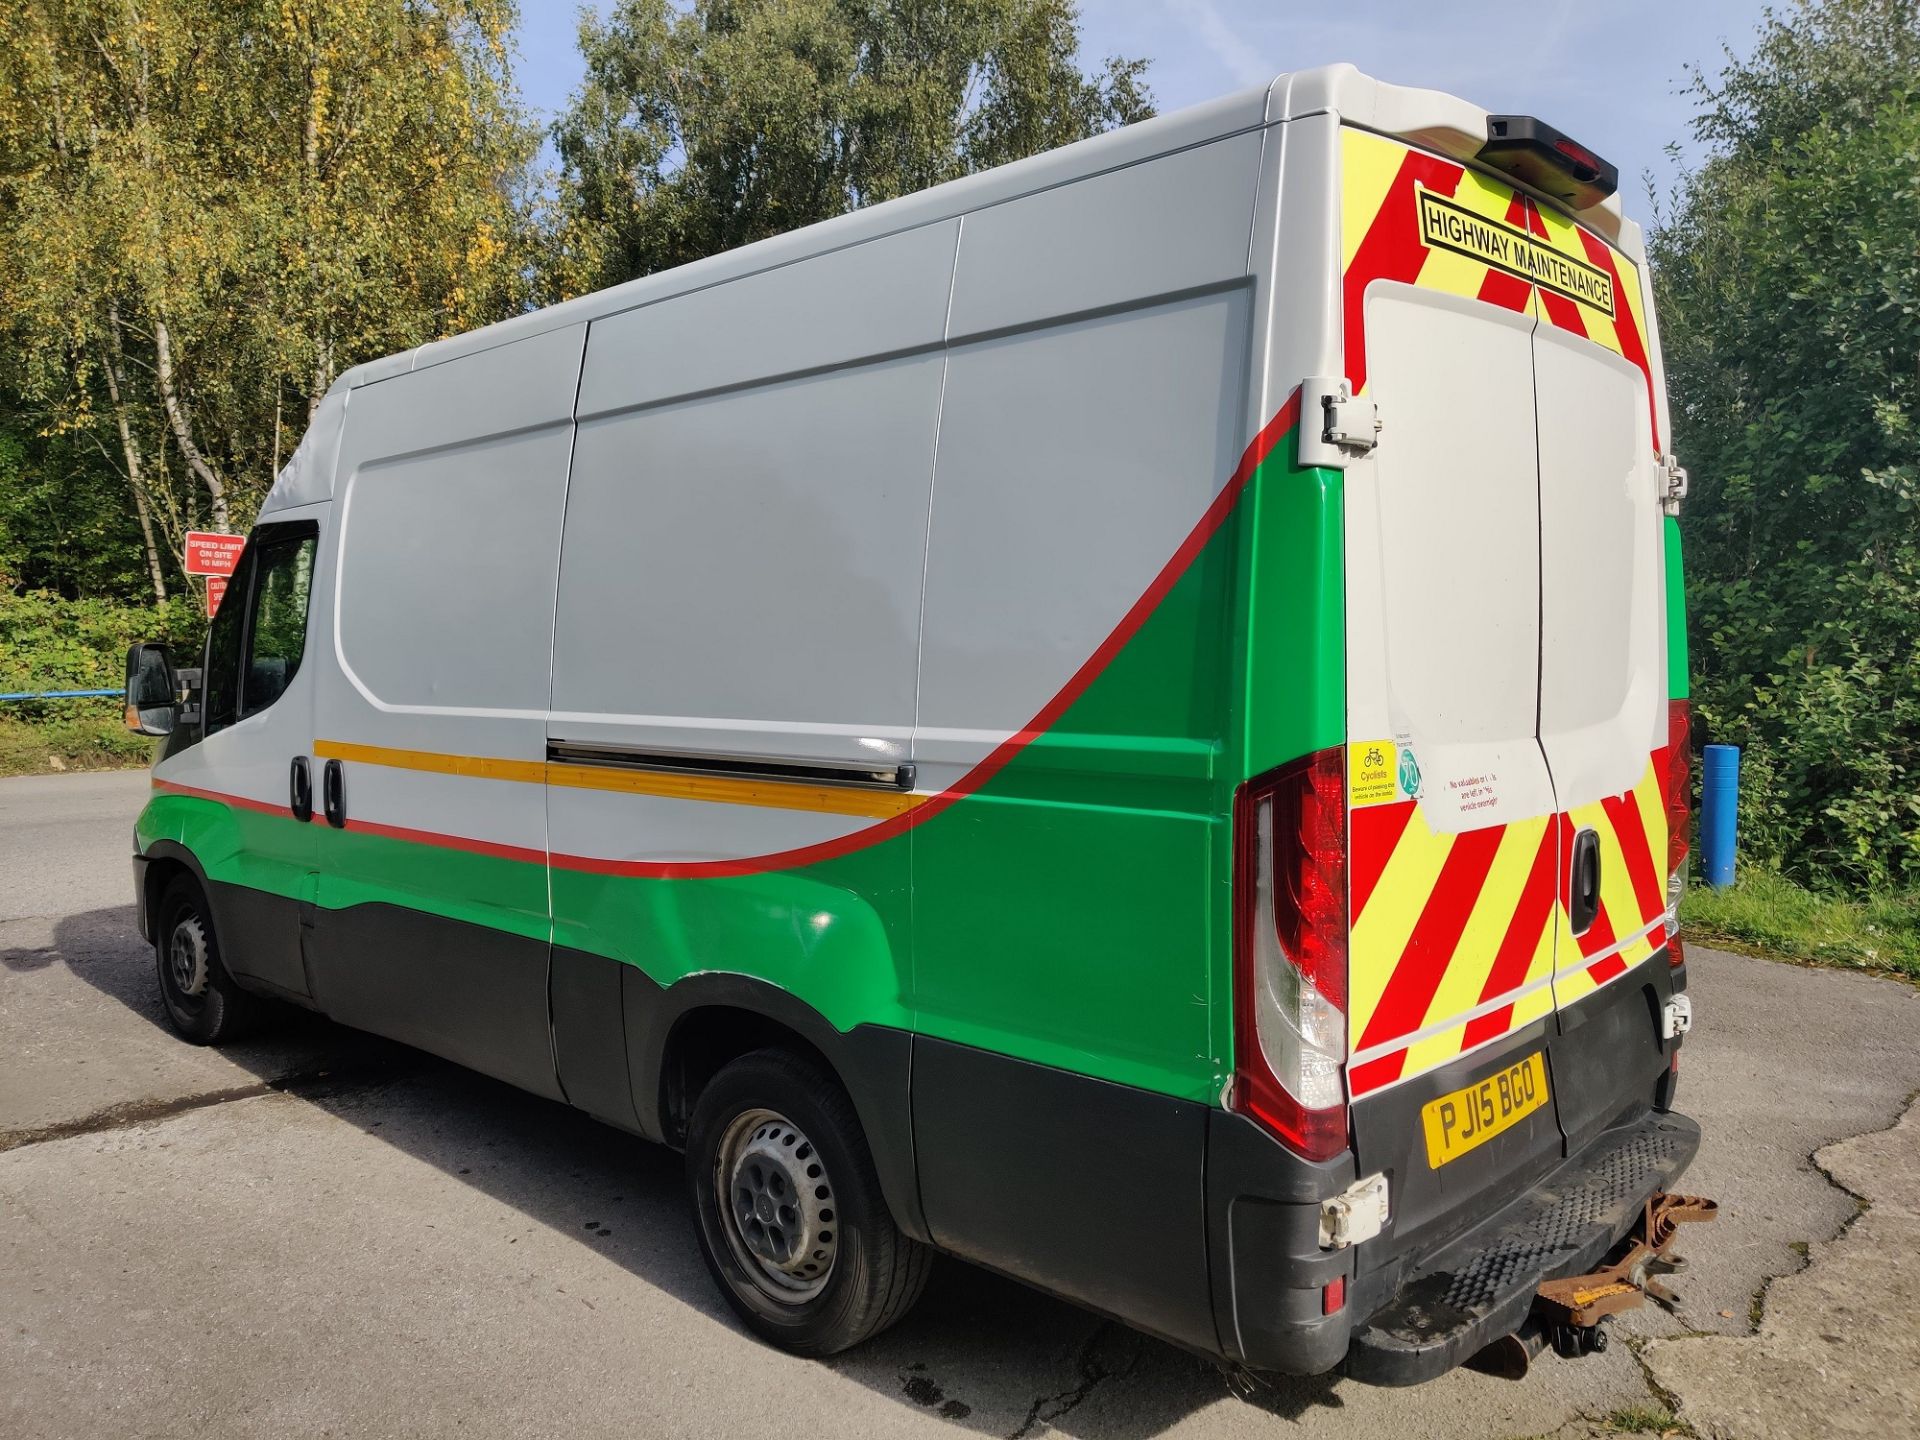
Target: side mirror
[{"x": 153, "y": 690}]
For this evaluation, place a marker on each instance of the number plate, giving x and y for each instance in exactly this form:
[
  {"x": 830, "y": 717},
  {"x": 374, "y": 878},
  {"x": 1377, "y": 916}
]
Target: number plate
[{"x": 1456, "y": 1123}]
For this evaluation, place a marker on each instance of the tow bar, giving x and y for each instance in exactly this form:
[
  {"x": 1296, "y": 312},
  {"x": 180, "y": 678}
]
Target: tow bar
[{"x": 1567, "y": 1312}]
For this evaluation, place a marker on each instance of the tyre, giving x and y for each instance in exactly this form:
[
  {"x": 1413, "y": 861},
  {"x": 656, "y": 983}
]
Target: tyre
[
  {"x": 199, "y": 996},
  {"x": 789, "y": 1209}
]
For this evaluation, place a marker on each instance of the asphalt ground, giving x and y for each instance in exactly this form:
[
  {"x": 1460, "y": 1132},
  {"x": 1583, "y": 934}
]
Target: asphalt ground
[{"x": 321, "y": 1233}]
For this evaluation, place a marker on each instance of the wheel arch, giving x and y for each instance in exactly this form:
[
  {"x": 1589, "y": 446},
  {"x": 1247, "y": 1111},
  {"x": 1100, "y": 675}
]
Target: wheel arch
[
  {"x": 679, "y": 1037},
  {"x": 165, "y": 860}
]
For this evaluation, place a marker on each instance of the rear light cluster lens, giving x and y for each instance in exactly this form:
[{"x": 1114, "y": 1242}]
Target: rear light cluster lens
[
  {"x": 1290, "y": 953},
  {"x": 1679, "y": 790}
]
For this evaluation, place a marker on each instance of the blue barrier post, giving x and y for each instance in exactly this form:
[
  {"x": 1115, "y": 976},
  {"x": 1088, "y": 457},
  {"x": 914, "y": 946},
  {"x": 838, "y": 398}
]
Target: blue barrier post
[
  {"x": 56, "y": 694},
  {"x": 1719, "y": 812}
]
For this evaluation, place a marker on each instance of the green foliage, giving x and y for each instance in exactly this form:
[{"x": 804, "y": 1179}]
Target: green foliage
[
  {"x": 699, "y": 129},
  {"x": 1766, "y": 912},
  {"x": 51, "y": 643},
  {"x": 209, "y": 208},
  {"x": 1789, "y": 285},
  {"x": 65, "y": 523}
]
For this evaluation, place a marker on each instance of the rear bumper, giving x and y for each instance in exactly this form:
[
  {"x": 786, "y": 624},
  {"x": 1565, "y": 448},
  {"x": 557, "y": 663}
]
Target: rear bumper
[
  {"x": 1482, "y": 1285},
  {"x": 1466, "y": 1247}
]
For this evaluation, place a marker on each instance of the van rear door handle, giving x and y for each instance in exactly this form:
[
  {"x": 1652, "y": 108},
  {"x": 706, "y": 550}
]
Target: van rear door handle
[
  {"x": 330, "y": 795},
  {"x": 300, "y": 789},
  {"x": 1583, "y": 899}
]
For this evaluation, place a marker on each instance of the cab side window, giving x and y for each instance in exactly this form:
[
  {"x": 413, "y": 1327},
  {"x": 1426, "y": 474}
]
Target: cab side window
[
  {"x": 221, "y": 694},
  {"x": 277, "y": 636},
  {"x": 256, "y": 641}
]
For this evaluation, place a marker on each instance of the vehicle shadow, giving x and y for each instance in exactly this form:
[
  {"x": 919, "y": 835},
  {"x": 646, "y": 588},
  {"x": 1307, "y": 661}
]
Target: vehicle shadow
[{"x": 975, "y": 1341}]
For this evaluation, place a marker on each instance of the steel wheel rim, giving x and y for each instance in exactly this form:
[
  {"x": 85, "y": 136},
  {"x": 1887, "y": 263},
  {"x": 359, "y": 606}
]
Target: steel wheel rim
[
  {"x": 187, "y": 958},
  {"x": 776, "y": 1206}
]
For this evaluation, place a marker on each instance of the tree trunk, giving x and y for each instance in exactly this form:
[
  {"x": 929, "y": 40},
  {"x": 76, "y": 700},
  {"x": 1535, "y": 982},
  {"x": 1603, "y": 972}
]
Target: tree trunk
[
  {"x": 182, "y": 430},
  {"x": 130, "y": 448}
]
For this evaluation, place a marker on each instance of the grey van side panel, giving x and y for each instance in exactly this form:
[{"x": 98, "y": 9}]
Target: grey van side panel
[
  {"x": 884, "y": 297},
  {"x": 1174, "y": 224}
]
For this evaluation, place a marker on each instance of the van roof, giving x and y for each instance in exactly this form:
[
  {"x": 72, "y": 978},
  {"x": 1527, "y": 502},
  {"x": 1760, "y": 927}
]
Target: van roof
[{"x": 1430, "y": 118}]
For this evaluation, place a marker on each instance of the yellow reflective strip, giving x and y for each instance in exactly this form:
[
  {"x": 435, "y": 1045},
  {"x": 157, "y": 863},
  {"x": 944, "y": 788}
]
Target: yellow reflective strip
[
  {"x": 726, "y": 790},
  {"x": 1393, "y": 909},
  {"x": 475, "y": 767},
  {"x": 723, "y": 790}
]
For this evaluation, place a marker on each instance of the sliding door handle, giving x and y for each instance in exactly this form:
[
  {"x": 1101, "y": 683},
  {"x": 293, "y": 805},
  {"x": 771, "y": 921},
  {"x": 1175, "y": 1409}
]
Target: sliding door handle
[
  {"x": 331, "y": 798},
  {"x": 300, "y": 789}
]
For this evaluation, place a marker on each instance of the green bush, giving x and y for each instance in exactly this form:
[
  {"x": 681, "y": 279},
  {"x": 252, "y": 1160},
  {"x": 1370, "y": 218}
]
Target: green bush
[
  {"x": 51, "y": 643},
  {"x": 1789, "y": 289}
]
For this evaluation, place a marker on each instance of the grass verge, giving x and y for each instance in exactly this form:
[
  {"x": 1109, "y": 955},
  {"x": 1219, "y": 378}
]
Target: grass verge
[
  {"x": 87, "y": 741},
  {"x": 1768, "y": 913}
]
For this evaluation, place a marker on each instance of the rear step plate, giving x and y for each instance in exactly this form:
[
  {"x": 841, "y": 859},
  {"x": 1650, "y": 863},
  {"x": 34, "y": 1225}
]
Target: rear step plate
[{"x": 1481, "y": 1285}]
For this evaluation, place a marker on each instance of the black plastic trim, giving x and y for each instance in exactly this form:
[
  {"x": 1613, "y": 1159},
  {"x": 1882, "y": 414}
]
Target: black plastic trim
[
  {"x": 1089, "y": 1190},
  {"x": 589, "y": 1035},
  {"x": 1268, "y": 1270},
  {"x": 473, "y": 994}
]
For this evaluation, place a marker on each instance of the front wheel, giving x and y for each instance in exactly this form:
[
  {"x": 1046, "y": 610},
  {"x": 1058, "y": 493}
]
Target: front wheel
[
  {"x": 791, "y": 1218},
  {"x": 199, "y": 996}
]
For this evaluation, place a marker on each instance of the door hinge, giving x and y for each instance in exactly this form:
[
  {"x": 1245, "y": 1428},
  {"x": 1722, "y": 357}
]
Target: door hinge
[
  {"x": 1360, "y": 1213},
  {"x": 1335, "y": 426},
  {"x": 1674, "y": 485}
]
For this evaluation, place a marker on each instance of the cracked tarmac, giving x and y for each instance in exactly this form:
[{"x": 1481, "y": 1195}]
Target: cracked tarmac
[{"x": 321, "y": 1233}]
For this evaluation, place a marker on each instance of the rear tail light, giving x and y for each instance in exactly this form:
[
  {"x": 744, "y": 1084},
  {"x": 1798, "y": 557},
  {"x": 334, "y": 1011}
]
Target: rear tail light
[
  {"x": 1290, "y": 954},
  {"x": 1679, "y": 791}
]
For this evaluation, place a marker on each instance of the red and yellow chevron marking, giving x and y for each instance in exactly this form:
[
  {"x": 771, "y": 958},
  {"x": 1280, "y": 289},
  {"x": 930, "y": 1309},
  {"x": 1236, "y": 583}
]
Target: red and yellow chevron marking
[
  {"x": 1633, "y": 886},
  {"x": 1452, "y": 941},
  {"x": 1381, "y": 240},
  {"x": 1455, "y": 937}
]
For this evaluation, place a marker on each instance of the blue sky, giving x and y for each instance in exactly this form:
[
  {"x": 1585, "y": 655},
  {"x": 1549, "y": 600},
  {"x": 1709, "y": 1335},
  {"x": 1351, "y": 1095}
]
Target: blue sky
[{"x": 1608, "y": 72}]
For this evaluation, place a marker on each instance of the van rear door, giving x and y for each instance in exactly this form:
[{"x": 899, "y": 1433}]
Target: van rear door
[
  {"x": 1506, "y": 665},
  {"x": 1603, "y": 675}
]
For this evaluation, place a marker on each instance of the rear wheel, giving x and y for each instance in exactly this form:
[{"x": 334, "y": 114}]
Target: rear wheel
[
  {"x": 200, "y": 997},
  {"x": 791, "y": 1218}
]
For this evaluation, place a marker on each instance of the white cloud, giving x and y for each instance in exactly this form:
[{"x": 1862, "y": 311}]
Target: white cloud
[{"x": 1238, "y": 56}]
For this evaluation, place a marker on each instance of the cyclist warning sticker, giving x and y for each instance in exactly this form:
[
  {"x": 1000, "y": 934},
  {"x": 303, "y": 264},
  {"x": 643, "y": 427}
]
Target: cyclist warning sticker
[{"x": 1371, "y": 767}]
